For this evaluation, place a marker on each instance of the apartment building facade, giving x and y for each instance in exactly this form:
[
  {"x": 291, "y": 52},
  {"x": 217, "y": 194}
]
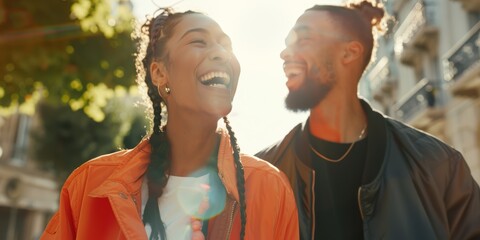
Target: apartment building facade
[
  {"x": 427, "y": 71},
  {"x": 28, "y": 196}
]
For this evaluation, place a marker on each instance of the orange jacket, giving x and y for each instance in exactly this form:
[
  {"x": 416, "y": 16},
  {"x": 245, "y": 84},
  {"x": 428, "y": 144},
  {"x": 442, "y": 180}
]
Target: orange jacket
[{"x": 101, "y": 199}]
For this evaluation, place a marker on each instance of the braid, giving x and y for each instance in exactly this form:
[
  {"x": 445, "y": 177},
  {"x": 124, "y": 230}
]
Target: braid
[
  {"x": 159, "y": 164},
  {"x": 159, "y": 30},
  {"x": 240, "y": 177}
]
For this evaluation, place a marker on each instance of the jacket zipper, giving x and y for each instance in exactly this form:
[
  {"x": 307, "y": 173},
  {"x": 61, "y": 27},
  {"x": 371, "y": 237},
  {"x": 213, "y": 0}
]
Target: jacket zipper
[
  {"x": 313, "y": 204},
  {"x": 135, "y": 202},
  {"x": 359, "y": 202},
  {"x": 233, "y": 208},
  {"x": 231, "y": 220}
]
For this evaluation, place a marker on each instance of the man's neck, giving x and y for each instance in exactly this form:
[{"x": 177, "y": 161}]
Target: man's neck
[{"x": 338, "y": 119}]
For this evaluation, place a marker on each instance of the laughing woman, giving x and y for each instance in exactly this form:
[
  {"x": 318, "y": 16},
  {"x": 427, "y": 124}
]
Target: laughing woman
[{"x": 188, "y": 178}]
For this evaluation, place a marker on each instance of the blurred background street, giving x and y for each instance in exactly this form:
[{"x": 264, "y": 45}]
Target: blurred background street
[{"x": 68, "y": 92}]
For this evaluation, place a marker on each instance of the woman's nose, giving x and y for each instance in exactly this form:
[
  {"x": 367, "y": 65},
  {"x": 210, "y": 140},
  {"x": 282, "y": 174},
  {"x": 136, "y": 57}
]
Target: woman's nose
[{"x": 219, "y": 53}]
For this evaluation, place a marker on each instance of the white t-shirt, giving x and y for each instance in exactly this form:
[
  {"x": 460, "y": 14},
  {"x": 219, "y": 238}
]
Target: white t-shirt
[{"x": 179, "y": 202}]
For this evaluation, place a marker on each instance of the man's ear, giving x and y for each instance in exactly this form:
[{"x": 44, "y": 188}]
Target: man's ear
[
  {"x": 158, "y": 73},
  {"x": 353, "y": 51}
]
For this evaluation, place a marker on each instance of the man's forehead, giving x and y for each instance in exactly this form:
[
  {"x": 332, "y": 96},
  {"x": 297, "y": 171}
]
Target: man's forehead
[
  {"x": 311, "y": 20},
  {"x": 306, "y": 30}
]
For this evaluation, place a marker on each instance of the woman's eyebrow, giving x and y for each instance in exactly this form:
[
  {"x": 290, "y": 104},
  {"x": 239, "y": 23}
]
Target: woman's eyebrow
[{"x": 200, "y": 30}]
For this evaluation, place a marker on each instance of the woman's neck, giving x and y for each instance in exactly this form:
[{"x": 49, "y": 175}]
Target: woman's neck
[{"x": 191, "y": 144}]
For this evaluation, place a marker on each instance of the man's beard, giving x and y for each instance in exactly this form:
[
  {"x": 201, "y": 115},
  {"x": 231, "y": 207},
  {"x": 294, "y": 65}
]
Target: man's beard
[{"x": 310, "y": 93}]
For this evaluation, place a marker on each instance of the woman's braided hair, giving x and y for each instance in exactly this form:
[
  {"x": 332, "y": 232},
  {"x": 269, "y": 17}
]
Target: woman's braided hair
[
  {"x": 153, "y": 37},
  {"x": 240, "y": 178}
]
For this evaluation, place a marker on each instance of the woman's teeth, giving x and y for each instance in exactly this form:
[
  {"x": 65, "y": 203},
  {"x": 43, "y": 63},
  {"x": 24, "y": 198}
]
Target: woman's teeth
[{"x": 216, "y": 79}]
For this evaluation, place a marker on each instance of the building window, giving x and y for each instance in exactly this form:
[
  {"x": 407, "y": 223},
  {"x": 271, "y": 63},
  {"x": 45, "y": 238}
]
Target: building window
[
  {"x": 473, "y": 18},
  {"x": 19, "y": 156},
  {"x": 14, "y": 136}
]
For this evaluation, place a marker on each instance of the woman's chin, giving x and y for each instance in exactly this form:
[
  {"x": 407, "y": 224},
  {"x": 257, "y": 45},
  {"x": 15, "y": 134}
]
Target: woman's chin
[{"x": 221, "y": 110}]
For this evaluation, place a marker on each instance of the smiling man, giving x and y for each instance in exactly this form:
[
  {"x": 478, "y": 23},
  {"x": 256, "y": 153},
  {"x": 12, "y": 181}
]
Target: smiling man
[{"x": 357, "y": 174}]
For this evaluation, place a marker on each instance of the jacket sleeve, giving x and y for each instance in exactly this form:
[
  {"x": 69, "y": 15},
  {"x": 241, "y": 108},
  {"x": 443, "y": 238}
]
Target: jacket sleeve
[
  {"x": 61, "y": 225},
  {"x": 273, "y": 212},
  {"x": 268, "y": 153},
  {"x": 462, "y": 200},
  {"x": 287, "y": 222}
]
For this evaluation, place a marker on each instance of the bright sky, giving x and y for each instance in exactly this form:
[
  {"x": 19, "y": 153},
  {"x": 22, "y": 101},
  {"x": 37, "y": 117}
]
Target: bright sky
[{"x": 257, "y": 29}]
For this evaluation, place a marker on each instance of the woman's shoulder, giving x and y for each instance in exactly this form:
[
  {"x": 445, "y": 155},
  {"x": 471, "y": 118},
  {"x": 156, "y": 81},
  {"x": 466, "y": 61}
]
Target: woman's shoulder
[
  {"x": 259, "y": 169},
  {"x": 103, "y": 166},
  {"x": 257, "y": 164},
  {"x": 265, "y": 181}
]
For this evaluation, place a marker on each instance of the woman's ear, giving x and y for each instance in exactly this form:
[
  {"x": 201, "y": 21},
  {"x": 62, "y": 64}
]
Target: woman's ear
[{"x": 158, "y": 73}]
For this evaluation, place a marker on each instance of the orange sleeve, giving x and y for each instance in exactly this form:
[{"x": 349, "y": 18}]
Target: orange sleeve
[
  {"x": 271, "y": 208},
  {"x": 287, "y": 222},
  {"x": 61, "y": 224}
]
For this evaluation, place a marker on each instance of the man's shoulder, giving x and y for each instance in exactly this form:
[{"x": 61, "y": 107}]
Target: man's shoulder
[
  {"x": 272, "y": 152},
  {"x": 412, "y": 134},
  {"x": 420, "y": 143}
]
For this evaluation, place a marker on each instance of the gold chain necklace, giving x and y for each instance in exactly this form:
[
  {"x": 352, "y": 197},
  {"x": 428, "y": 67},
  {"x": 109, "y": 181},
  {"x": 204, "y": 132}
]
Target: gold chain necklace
[{"x": 344, "y": 155}]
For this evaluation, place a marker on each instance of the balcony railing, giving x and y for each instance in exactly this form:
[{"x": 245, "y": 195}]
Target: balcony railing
[
  {"x": 419, "y": 99},
  {"x": 464, "y": 55},
  {"x": 396, "y": 4},
  {"x": 416, "y": 31},
  {"x": 381, "y": 80},
  {"x": 470, "y": 5},
  {"x": 379, "y": 73}
]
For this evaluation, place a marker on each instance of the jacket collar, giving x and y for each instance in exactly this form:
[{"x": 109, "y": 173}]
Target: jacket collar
[
  {"x": 226, "y": 165},
  {"x": 126, "y": 181},
  {"x": 129, "y": 172},
  {"x": 134, "y": 164},
  {"x": 377, "y": 143}
]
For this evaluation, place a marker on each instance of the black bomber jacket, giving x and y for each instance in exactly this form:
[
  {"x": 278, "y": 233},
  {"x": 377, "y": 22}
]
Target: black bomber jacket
[{"x": 414, "y": 186}]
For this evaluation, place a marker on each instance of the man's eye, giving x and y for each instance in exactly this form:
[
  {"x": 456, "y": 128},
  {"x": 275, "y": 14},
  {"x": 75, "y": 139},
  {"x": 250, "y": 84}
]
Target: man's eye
[
  {"x": 303, "y": 40},
  {"x": 199, "y": 41}
]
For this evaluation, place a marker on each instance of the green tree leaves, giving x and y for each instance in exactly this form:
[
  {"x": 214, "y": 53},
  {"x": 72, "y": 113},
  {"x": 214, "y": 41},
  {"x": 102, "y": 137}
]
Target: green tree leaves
[
  {"x": 65, "y": 50},
  {"x": 76, "y": 59},
  {"x": 64, "y": 139}
]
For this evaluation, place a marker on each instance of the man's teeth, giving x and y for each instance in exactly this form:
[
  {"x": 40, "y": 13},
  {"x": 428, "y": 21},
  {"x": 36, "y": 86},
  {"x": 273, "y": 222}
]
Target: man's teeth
[
  {"x": 292, "y": 73},
  {"x": 222, "y": 78}
]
